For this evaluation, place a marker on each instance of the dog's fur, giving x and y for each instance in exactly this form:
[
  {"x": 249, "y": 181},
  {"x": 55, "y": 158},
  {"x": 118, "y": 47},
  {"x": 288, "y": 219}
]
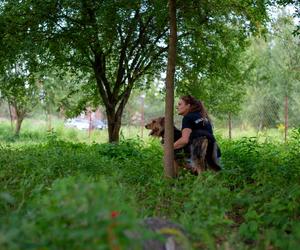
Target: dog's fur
[
  {"x": 203, "y": 146},
  {"x": 157, "y": 127},
  {"x": 204, "y": 153}
]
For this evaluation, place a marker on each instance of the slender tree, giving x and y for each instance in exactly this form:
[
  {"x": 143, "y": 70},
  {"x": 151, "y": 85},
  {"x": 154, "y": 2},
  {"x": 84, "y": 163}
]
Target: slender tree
[
  {"x": 18, "y": 87},
  {"x": 169, "y": 103}
]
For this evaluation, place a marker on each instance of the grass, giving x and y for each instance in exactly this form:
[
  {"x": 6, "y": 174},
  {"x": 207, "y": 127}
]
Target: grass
[
  {"x": 272, "y": 134},
  {"x": 36, "y": 131},
  {"x": 62, "y": 190}
]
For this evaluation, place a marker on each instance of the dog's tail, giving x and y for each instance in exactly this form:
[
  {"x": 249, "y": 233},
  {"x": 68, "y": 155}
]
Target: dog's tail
[{"x": 213, "y": 160}]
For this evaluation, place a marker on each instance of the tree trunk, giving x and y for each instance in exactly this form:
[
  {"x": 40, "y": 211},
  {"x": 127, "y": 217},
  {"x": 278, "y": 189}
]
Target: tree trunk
[
  {"x": 286, "y": 118},
  {"x": 229, "y": 126},
  {"x": 142, "y": 123},
  {"x": 113, "y": 100},
  {"x": 11, "y": 117},
  {"x": 19, "y": 121},
  {"x": 169, "y": 104},
  {"x": 114, "y": 125},
  {"x": 49, "y": 121}
]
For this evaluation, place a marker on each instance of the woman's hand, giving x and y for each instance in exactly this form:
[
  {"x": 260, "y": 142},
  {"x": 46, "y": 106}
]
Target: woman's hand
[{"x": 184, "y": 139}]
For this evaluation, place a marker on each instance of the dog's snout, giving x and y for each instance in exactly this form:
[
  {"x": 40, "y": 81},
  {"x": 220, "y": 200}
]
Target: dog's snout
[{"x": 147, "y": 126}]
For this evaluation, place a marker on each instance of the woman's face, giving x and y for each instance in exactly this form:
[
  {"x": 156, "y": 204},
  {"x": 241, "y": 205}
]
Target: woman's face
[{"x": 182, "y": 107}]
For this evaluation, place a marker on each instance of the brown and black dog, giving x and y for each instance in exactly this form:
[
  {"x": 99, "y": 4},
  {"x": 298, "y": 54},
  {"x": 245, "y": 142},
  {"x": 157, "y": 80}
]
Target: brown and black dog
[
  {"x": 157, "y": 127},
  {"x": 203, "y": 148}
]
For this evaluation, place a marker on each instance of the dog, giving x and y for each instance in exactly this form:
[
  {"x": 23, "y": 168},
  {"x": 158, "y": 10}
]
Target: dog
[
  {"x": 157, "y": 127},
  {"x": 203, "y": 147}
]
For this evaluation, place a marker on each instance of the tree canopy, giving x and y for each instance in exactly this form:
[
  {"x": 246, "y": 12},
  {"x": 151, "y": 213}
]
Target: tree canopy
[{"x": 116, "y": 44}]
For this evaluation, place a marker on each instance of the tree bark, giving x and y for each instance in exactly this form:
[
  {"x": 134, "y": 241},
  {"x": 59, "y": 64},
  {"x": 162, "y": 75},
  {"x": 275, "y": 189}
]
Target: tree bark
[
  {"x": 49, "y": 121},
  {"x": 169, "y": 104},
  {"x": 286, "y": 118},
  {"x": 11, "y": 117},
  {"x": 229, "y": 126},
  {"x": 19, "y": 120},
  {"x": 114, "y": 125}
]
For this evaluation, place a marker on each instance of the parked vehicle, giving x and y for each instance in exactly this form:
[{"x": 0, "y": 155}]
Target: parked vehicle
[
  {"x": 80, "y": 124},
  {"x": 98, "y": 124},
  {"x": 83, "y": 124}
]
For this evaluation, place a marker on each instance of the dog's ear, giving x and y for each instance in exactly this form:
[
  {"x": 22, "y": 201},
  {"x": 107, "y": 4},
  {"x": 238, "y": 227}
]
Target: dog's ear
[{"x": 162, "y": 121}]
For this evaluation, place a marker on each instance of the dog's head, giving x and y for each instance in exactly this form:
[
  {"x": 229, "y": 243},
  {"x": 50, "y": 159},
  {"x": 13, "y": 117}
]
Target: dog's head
[{"x": 157, "y": 126}]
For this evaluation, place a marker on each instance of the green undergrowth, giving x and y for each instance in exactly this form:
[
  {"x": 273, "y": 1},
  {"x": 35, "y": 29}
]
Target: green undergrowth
[{"x": 57, "y": 194}]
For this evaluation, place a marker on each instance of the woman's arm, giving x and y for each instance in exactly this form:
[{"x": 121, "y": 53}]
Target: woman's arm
[{"x": 184, "y": 139}]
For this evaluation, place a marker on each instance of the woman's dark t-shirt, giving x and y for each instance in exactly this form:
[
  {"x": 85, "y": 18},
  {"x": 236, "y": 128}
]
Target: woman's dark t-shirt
[{"x": 195, "y": 121}]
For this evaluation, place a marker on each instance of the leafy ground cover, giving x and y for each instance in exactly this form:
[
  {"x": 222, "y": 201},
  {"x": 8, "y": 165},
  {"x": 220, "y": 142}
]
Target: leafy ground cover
[{"x": 59, "y": 194}]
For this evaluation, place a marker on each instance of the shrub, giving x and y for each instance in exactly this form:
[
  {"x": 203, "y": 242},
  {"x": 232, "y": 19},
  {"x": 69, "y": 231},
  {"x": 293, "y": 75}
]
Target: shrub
[{"x": 78, "y": 213}]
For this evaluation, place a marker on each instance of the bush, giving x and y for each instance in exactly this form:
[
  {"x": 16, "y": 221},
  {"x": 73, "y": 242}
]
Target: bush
[{"x": 77, "y": 213}]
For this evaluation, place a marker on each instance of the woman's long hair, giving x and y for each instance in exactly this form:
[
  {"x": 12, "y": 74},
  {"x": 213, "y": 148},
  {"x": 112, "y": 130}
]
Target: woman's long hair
[{"x": 196, "y": 106}]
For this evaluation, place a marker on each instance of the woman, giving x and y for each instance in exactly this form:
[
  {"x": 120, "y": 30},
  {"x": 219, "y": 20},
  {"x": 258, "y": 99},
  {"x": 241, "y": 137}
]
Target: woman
[{"x": 195, "y": 120}]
